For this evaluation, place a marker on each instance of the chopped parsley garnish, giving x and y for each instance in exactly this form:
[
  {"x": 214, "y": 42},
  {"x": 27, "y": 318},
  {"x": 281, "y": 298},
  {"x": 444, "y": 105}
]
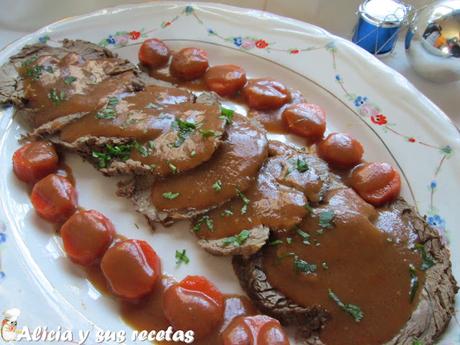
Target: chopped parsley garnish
[
  {"x": 143, "y": 150},
  {"x": 226, "y": 213},
  {"x": 56, "y": 97},
  {"x": 413, "y": 282},
  {"x": 308, "y": 207},
  {"x": 245, "y": 200},
  {"x": 108, "y": 112},
  {"x": 206, "y": 133},
  {"x": 69, "y": 79},
  {"x": 305, "y": 236},
  {"x": 184, "y": 129},
  {"x": 112, "y": 151},
  {"x": 238, "y": 239},
  {"x": 103, "y": 158},
  {"x": 351, "y": 309},
  {"x": 181, "y": 257},
  {"x": 193, "y": 153},
  {"x": 204, "y": 220},
  {"x": 217, "y": 186},
  {"x": 173, "y": 168},
  {"x": 427, "y": 260},
  {"x": 303, "y": 266},
  {"x": 285, "y": 255},
  {"x": 119, "y": 151},
  {"x": 34, "y": 72},
  {"x": 326, "y": 219},
  {"x": 29, "y": 61},
  {"x": 170, "y": 195},
  {"x": 288, "y": 240},
  {"x": 325, "y": 266},
  {"x": 152, "y": 106},
  {"x": 275, "y": 243},
  {"x": 301, "y": 165},
  {"x": 417, "y": 342},
  {"x": 227, "y": 115}
]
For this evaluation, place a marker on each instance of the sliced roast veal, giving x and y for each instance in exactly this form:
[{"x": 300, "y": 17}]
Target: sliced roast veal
[
  {"x": 289, "y": 180},
  {"x": 158, "y": 131},
  {"x": 235, "y": 164},
  {"x": 51, "y": 82},
  {"x": 434, "y": 303}
]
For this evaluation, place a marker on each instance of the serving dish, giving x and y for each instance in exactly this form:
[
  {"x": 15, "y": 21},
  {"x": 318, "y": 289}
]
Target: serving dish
[{"x": 360, "y": 95}]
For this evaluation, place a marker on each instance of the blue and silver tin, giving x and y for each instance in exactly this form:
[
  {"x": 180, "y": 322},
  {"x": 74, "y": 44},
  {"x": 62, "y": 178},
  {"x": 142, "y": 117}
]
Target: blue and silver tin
[{"x": 379, "y": 24}]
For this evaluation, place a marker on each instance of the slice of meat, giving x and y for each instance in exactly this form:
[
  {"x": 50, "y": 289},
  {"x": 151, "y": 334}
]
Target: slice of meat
[
  {"x": 287, "y": 182},
  {"x": 50, "y": 82},
  {"x": 429, "y": 318},
  {"x": 235, "y": 164},
  {"x": 159, "y": 131}
]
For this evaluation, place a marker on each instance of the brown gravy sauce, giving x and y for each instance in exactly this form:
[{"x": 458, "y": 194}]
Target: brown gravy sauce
[
  {"x": 57, "y": 87},
  {"x": 235, "y": 164},
  {"x": 354, "y": 259}
]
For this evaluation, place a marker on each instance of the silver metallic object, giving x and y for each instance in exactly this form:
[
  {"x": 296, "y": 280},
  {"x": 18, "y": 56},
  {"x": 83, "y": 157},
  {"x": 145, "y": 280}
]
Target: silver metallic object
[{"x": 433, "y": 41}]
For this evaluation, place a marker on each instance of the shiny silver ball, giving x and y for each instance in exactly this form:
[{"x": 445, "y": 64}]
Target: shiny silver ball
[{"x": 433, "y": 41}]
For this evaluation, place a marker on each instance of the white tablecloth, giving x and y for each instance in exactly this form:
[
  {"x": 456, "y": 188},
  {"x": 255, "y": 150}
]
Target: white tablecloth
[{"x": 337, "y": 16}]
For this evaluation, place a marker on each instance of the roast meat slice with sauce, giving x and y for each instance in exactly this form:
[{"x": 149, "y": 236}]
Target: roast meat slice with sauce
[
  {"x": 434, "y": 301},
  {"x": 288, "y": 182},
  {"x": 47, "y": 82},
  {"x": 157, "y": 131},
  {"x": 235, "y": 164}
]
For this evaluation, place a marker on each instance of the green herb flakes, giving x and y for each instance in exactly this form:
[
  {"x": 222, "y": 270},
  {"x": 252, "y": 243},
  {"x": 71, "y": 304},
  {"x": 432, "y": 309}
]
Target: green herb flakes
[
  {"x": 326, "y": 219},
  {"x": 303, "y": 266},
  {"x": 143, "y": 150},
  {"x": 289, "y": 240},
  {"x": 204, "y": 220},
  {"x": 56, "y": 97},
  {"x": 69, "y": 79},
  {"x": 285, "y": 255},
  {"x": 237, "y": 240},
  {"x": 301, "y": 165},
  {"x": 427, "y": 260},
  {"x": 152, "y": 106},
  {"x": 227, "y": 115},
  {"x": 173, "y": 168},
  {"x": 245, "y": 200},
  {"x": 227, "y": 213},
  {"x": 181, "y": 257},
  {"x": 413, "y": 282},
  {"x": 351, "y": 309},
  {"x": 207, "y": 133},
  {"x": 103, "y": 159},
  {"x": 305, "y": 236},
  {"x": 108, "y": 112},
  {"x": 34, "y": 72},
  {"x": 275, "y": 243},
  {"x": 193, "y": 153},
  {"x": 184, "y": 129},
  {"x": 217, "y": 186},
  {"x": 170, "y": 195}
]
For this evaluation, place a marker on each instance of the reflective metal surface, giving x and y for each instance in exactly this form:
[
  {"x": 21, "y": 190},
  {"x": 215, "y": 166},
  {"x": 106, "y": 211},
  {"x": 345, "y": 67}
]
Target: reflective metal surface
[{"x": 433, "y": 41}]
